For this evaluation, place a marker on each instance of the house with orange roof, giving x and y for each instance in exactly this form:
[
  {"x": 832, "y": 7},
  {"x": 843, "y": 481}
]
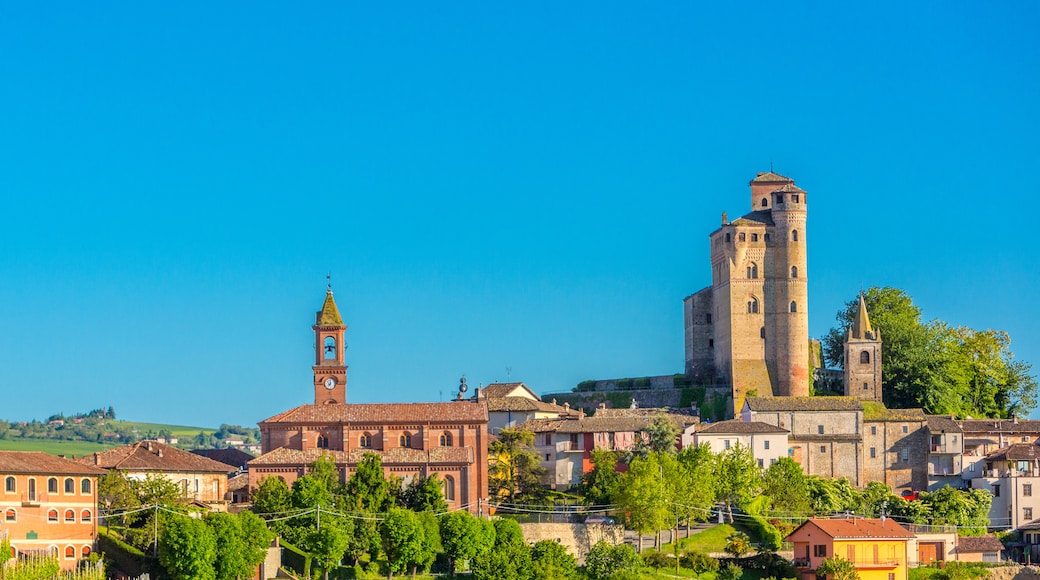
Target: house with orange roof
[
  {"x": 48, "y": 505},
  {"x": 876, "y": 547},
  {"x": 510, "y": 404}
]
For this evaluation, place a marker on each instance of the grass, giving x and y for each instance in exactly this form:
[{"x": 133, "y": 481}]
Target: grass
[
  {"x": 176, "y": 430},
  {"x": 710, "y": 540},
  {"x": 52, "y": 446}
]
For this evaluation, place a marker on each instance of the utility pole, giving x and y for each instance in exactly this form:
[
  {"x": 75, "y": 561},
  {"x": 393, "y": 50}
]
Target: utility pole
[
  {"x": 319, "y": 516},
  {"x": 155, "y": 530}
]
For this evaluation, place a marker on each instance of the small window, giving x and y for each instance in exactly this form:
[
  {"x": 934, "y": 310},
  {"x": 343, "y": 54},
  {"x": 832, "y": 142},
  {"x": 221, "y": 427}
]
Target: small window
[
  {"x": 727, "y": 237},
  {"x": 707, "y": 318},
  {"x": 765, "y": 444},
  {"x": 405, "y": 440},
  {"x": 873, "y": 429},
  {"x": 70, "y": 516},
  {"x": 819, "y": 429},
  {"x": 762, "y": 332},
  {"x": 906, "y": 429},
  {"x": 794, "y": 235},
  {"x": 548, "y": 438},
  {"x": 725, "y": 443},
  {"x": 52, "y": 485},
  {"x": 1025, "y": 439},
  {"x": 873, "y": 452},
  {"x": 86, "y": 551},
  {"x": 85, "y": 516},
  {"x": 743, "y": 237},
  {"x": 794, "y": 198},
  {"x": 891, "y": 576},
  {"x": 323, "y": 442},
  {"x": 820, "y": 550},
  {"x": 996, "y": 491},
  {"x": 752, "y": 271},
  {"x": 70, "y": 552},
  {"x": 445, "y": 439},
  {"x": 823, "y": 449},
  {"x": 711, "y": 343},
  {"x": 866, "y": 387},
  {"x": 779, "y": 199},
  {"x": 864, "y": 356},
  {"x": 794, "y": 306},
  {"x": 752, "y": 305},
  {"x": 904, "y": 454},
  {"x": 794, "y": 271},
  {"x": 1027, "y": 489},
  {"x": 1027, "y": 513},
  {"x": 330, "y": 348},
  {"x": 70, "y": 485},
  {"x": 754, "y": 237},
  {"x": 52, "y": 516},
  {"x": 761, "y": 463},
  {"x": 9, "y": 484},
  {"x": 365, "y": 441},
  {"x": 84, "y": 486},
  {"x": 954, "y": 438},
  {"x": 449, "y": 487},
  {"x": 547, "y": 457},
  {"x": 11, "y": 515},
  {"x": 765, "y": 202},
  {"x": 971, "y": 467}
]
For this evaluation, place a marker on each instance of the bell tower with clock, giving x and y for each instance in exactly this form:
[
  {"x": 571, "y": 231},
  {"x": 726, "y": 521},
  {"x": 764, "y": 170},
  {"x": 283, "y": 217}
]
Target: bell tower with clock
[{"x": 330, "y": 368}]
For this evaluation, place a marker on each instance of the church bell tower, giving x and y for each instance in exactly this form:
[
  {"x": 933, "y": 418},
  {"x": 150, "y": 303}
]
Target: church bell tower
[{"x": 330, "y": 368}]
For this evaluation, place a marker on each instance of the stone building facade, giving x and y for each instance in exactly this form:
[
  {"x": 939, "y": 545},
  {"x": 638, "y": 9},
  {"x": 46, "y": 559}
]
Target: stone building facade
[
  {"x": 863, "y": 358},
  {"x": 750, "y": 328},
  {"x": 895, "y": 447},
  {"x": 411, "y": 439}
]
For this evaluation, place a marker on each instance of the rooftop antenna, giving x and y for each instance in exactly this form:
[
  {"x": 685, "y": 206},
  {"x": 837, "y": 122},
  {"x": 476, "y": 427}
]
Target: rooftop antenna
[
  {"x": 509, "y": 371},
  {"x": 770, "y": 166}
]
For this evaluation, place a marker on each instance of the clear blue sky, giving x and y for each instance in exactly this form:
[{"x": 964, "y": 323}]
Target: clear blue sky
[{"x": 527, "y": 186}]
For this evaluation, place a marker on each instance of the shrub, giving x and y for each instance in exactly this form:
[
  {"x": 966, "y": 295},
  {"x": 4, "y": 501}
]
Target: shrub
[
  {"x": 699, "y": 562},
  {"x": 730, "y": 572},
  {"x": 656, "y": 559},
  {"x": 605, "y": 560}
]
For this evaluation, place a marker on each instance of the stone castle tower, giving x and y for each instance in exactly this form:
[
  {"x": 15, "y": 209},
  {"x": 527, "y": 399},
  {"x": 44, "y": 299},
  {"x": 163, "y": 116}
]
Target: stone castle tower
[
  {"x": 750, "y": 328},
  {"x": 863, "y": 358},
  {"x": 330, "y": 368}
]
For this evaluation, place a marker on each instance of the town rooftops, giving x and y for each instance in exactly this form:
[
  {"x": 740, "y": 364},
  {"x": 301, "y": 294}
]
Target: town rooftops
[
  {"x": 234, "y": 458},
  {"x": 498, "y": 390},
  {"x": 1009, "y": 426},
  {"x": 1016, "y": 452},
  {"x": 988, "y": 543},
  {"x": 878, "y": 412},
  {"x": 520, "y": 404},
  {"x": 740, "y": 427},
  {"x": 34, "y": 462},
  {"x": 594, "y": 424},
  {"x": 152, "y": 456},
  {"x": 385, "y": 413},
  {"x": 854, "y": 528},
  {"x": 768, "y": 404},
  {"x": 943, "y": 424},
  {"x": 394, "y": 455}
]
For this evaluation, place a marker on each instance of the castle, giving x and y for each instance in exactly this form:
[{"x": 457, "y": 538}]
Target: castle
[{"x": 749, "y": 330}]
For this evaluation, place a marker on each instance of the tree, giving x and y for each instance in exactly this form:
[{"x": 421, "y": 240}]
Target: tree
[
  {"x": 699, "y": 493},
  {"x": 431, "y": 541},
  {"x": 838, "y": 568},
  {"x": 402, "y": 535},
  {"x": 737, "y": 476},
  {"x": 601, "y": 485},
  {"x": 273, "y": 498},
  {"x": 738, "y": 544},
  {"x": 188, "y": 549},
  {"x": 327, "y": 544},
  {"x": 515, "y": 473},
  {"x": 551, "y": 560},
  {"x": 659, "y": 437},
  {"x": 230, "y": 560},
  {"x": 643, "y": 497},
  {"x": 509, "y": 560},
  {"x": 368, "y": 488},
  {"x": 254, "y": 540},
  {"x": 784, "y": 483},
  {"x": 967, "y": 509},
  {"x": 730, "y": 572},
  {"x": 463, "y": 536},
  {"x": 604, "y": 560},
  {"x": 831, "y": 495},
  {"x": 423, "y": 494}
]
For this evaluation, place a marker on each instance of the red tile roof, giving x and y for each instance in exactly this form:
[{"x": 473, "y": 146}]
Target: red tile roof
[
  {"x": 394, "y": 455},
  {"x": 385, "y": 413},
  {"x": 739, "y": 427},
  {"x": 152, "y": 456},
  {"x": 770, "y": 177},
  {"x": 857, "y": 528},
  {"x": 979, "y": 544},
  {"x": 37, "y": 462}
]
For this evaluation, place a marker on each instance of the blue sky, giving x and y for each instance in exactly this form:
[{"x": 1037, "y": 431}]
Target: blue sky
[{"x": 527, "y": 186}]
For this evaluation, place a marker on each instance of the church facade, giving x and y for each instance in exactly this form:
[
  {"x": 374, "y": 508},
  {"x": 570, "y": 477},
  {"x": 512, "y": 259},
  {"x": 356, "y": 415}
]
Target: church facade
[
  {"x": 412, "y": 439},
  {"x": 749, "y": 329}
]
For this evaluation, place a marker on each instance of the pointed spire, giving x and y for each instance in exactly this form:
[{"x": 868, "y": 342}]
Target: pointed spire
[
  {"x": 329, "y": 314},
  {"x": 861, "y": 328}
]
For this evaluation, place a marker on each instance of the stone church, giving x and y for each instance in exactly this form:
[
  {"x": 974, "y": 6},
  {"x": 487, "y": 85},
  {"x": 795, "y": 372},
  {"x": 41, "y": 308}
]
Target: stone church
[{"x": 446, "y": 439}]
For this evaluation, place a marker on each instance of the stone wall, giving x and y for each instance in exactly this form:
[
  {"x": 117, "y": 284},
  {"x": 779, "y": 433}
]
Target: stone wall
[
  {"x": 577, "y": 538},
  {"x": 710, "y": 402},
  {"x": 1015, "y": 573}
]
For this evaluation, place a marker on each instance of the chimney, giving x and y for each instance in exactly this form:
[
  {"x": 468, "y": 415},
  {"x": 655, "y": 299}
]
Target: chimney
[
  {"x": 602, "y": 405},
  {"x": 148, "y": 445},
  {"x": 554, "y": 401},
  {"x": 160, "y": 453},
  {"x": 567, "y": 406},
  {"x": 581, "y": 413}
]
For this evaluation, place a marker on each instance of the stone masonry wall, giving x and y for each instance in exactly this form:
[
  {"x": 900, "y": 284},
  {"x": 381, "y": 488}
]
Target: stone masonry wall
[{"x": 577, "y": 538}]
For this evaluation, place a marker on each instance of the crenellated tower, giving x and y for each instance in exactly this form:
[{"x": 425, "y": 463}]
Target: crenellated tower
[{"x": 330, "y": 367}]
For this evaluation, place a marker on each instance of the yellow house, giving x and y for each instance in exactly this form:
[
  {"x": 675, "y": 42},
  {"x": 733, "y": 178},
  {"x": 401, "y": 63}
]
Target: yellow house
[{"x": 876, "y": 547}]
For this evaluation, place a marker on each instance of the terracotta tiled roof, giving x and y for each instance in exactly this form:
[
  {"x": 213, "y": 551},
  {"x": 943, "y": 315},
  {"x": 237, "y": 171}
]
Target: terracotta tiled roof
[
  {"x": 1016, "y": 452},
  {"x": 1009, "y": 426},
  {"x": 152, "y": 456},
  {"x": 594, "y": 424},
  {"x": 38, "y": 462},
  {"x": 739, "y": 427},
  {"x": 504, "y": 389},
  {"x": 790, "y": 188},
  {"x": 755, "y": 217},
  {"x": 502, "y": 404},
  {"x": 646, "y": 412},
  {"x": 238, "y": 482},
  {"x": 235, "y": 458},
  {"x": 943, "y": 424},
  {"x": 987, "y": 543},
  {"x": 770, "y": 177},
  {"x": 803, "y": 404},
  {"x": 394, "y": 455},
  {"x": 329, "y": 314},
  {"x": 385, "y": 413},
  {"x": 857, "y": 528}
]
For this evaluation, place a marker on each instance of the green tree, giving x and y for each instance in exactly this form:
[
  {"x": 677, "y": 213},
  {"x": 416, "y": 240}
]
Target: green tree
[
  {"x": 831, "y": 495},
  {"x": 730, "y": 572},
  {"x": 509, "y": 560},
  {"x": 601, "y": 485},
  {"x": 402, "y": 535},
  {"x": 230, "y": 561},
  {"x": 785, "y": 484},
  {"x": 368, "y": 488},
  {"x": 967, "y": 509},
  {"x": 838, "y": 568},
  {"x": 551, "y": 561},
  {"x": 327, "y": 544},
  {"x": 423, "y": 494},
  {"x": 698, "y": 495},
  {"x": 604, "y": 560},
  {"x": 659, "y": 437},
  {"x": 254, "y": 540},
  {"x": 273, "y": 498},
  {"x": 431, "y": 541},
  {"x": 737, "y": 477},
  {"x": 188, "y": 549},
  {"x": 464, "y": 536},
  {"x": 643, "y": 497},
  {"x": 738, "y": 544},
  {"x": 515, "y": 473}
]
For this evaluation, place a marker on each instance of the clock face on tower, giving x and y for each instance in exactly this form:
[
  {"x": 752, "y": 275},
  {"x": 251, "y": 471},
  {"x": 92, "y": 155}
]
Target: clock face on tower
[{"x": 330, "y": 383}]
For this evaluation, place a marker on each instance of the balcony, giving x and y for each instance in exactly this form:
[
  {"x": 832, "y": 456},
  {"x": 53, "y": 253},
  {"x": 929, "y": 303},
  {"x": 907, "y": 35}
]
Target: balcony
[
  {"x": 875, "y": 564},
  {"x": 801, "y": 563}
]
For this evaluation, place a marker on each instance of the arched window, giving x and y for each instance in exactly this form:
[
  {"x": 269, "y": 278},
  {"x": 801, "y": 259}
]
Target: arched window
[
  {"x": 406, "y": 440},
  {"x": 330, "y": 347},
  {"x": 752, "y": 271},
  {"x": 765, "y": 202},
  {"x": 52, "y": 516},
  {"x": 794, "y": 235},
  {"x": 449, "y": 488},
  {"x": 794, "y": 306},
  {"x": 323, "y": 442},
  {"x": 70, "y": 485},
  {"x": 84, "y": 485},
  {"x": 85, "y": 516},
  {"x": 70, "y": 516},
  {"x": 752, "y": 305},
  {"x": 86, "y": 551},
  {"x": 445, "y": 439},
  {"x": 365, "y": 441},
  {"x": 52, "y": 485},
  {"x": 9, "y": 484},
  {"x": 794, "y": 271},
  {"x": 70, "y": 552},
  {"x": 864, "y": 356},
  {"x": 11, "y": 515}
]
